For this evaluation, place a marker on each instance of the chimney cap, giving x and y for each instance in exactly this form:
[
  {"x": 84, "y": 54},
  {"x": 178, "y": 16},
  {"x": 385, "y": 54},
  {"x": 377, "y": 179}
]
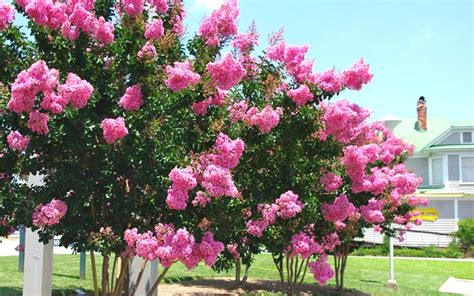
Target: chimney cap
[{"x": 422, "y": 98}]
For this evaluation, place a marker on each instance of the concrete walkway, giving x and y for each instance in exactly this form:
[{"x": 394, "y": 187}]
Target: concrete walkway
[{"x": 458, "y": 286}]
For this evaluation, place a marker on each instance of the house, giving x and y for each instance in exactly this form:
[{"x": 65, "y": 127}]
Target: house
[{"x": 444, "y": 158}]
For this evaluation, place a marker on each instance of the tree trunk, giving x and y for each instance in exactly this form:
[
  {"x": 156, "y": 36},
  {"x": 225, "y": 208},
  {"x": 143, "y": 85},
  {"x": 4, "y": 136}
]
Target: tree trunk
[
  {"x": 105, "y": 275},
  {"x": 237, "y": 272}
]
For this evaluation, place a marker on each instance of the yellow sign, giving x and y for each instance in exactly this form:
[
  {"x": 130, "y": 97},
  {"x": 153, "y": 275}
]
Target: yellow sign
[{"x": 426, "y": 214}]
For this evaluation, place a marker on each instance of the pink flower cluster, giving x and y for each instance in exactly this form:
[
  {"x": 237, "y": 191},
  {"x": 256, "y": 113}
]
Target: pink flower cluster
[
  {"x": 7, "y": 15},
  {"x": 287, "y": 206},
  {"x": 132, "y": 99},
  {"x": 220, "y": 24},
  {"x": 200, "y": 108},
  {"x": 293, "y": 58},
  {"x": 72, "y": 17},
  {"x": 226, "y": 72},
  {"x": 329, "y": 81},
  {"x": 245, "y": 42},
  {"x": 154, "y": 30},
  {"x": 38, "y": 122},
  {"x": 372, "y": 212},
  {"x": 338, "y": 211},
  {"x": 264, "y": 120},
  {"x": 356, "y": 76},
  {"x": 170, "y": 245},
  {"x": 331, "y": 182},
  {"x": 321, "y": 270},
  {"x": 181, "y": 76},
  {"x": 305, "y": 246},
  {"x": 161, "y": 6},
  {"x": 212, "y": 173},
  {"x": 17, "y": 141},
  {"x": 133, "y": 7},
  {"x": 183, "y": 180},
  {"x": 232, "y": 248},
  {"x": 301, "y": 95},
  {"x": 114, "y": 129},
  {"x": 342, "y": 120},
  {"x": 40, "y": 79},
  {"x": 147, "y": 52},
  {"x": 49, "y": 214}
]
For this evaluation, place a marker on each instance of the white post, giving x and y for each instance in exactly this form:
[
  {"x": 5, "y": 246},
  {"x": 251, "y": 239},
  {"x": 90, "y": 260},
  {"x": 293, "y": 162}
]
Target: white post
[
  {"x": 149, "y": 275},
  {"x": 456, "y": 214},
  {"x": 391, "y": 283},
  {"x": 37, "y": 277}
]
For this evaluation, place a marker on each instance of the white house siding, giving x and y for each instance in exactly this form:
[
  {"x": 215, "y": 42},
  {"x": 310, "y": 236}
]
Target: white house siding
[
  {"x": 452, "y": 138},
  {"x": 419, "y": 166},
  {"x": 444, "y": 224}
]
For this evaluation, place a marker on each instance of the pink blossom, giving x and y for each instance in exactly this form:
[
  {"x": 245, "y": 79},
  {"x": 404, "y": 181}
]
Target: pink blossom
[
  {"x": 132, "y": 99},
  {"x": 217, "y": 181},
  {"x": 70, "y": 31},
  {"x": 148, "y": 51},
  {"x": 289, "y": 205},
  {"x": 343, "y": 120},
  {"x": 220, "y": 24},
  {"x": 183, "y": 179},
  {"x": 356, "y": 76},
  {"x": 104, "y": 31},
  {"x": 304, "y": 246},
  {"x": 256, "y": 228},
  {"x": 329, "y": 81},
  {"x": 301, "y": 95},
  {"x": 161, "y": 6},
  {"x": 269, "y": 212},
  {"x": 201, "y": 199},
  {"x": 49, "y": 214},
  {"x": 114, "y": 129},
  {"x": 76, "y": 91},
  {"x": 38, "y": 122},
  {"x": 267, "y": 119},
  {"x": 209, "y": 248},
  {"x": 181, "y": 76},
  {"x": 227, "y": 152},
  {"x": 133, "y": 7},
  {"x": 131, "y": 236},
  {"x": 232, "y": 248},
  {"x": 227, "y": 72},
  {"x": 331, "y": 182},
  {"x": 330, "y": 241},
  {"x": 177, "y": 199},
  {"x": 54, "y": 103},
  {"x": 372, "y": 211},
  {"x": 245, "y": 42},
  {"x": 154, "y": 30},
  {"x": 276, "y": 52},
  {"x": 7, "y": 15},
  {"x": 339, "y": 210},
  {"x": 17, "y": 141},
  {"x": 200, "y": 108},
  {"x": 321, "y": 270},
  {"x": 237, "y": 111}
]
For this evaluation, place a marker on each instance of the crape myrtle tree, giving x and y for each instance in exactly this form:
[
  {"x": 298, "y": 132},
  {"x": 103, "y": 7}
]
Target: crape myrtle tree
[{"x": 179, "y": 151}]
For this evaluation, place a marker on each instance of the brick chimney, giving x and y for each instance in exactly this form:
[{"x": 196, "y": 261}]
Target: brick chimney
[{"x": 421, "y": 110}]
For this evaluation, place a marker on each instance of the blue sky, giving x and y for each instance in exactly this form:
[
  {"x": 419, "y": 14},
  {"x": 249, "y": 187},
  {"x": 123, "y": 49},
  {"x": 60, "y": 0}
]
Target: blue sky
[{"x": 414, "y": 47}]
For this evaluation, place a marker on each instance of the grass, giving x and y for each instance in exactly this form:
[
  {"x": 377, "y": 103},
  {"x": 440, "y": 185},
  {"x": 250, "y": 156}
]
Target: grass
[{"x": 369, "y": 275}]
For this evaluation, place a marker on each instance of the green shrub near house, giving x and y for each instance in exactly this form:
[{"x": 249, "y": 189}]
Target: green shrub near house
[
  {"x": 465, "y": 236},
  {"x": 452, "y": 251}
]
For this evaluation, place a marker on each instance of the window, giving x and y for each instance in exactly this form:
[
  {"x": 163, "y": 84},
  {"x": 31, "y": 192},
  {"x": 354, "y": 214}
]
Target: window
[
  {"x": 467, "y": 169},
  {"x": 466, "y": 137},
  {"x": 437, "y": 171}
]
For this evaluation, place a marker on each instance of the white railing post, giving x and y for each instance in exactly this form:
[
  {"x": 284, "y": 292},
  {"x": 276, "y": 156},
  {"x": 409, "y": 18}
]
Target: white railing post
[
  {"x": 391, "y": 283},
  {"x": 149, "y": 275},
  {"x": 37, "y": 276}
]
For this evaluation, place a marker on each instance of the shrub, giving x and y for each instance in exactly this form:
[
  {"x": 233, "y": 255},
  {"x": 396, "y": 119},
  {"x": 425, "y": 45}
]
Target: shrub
[{"x": 465, "y": 234}]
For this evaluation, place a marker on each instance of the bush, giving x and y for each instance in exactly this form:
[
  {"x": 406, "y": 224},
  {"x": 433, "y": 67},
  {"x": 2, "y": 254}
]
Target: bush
[
  {"x": 452, "y": 251},
  {"x": 465, "y": 234}
]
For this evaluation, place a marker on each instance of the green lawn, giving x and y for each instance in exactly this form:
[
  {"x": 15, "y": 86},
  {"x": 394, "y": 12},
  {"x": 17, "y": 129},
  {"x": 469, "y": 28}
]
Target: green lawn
[{"x": 415, "y": 277}]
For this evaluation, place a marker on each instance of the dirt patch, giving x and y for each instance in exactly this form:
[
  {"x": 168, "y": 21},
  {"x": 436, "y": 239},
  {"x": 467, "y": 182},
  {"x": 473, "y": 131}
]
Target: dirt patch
[{"x": 226, "y": 286}]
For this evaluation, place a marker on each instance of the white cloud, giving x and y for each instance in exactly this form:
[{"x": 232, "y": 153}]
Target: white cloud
[
  {"x": 422, "y": 34},
  {"x": 208, "y": 5}
]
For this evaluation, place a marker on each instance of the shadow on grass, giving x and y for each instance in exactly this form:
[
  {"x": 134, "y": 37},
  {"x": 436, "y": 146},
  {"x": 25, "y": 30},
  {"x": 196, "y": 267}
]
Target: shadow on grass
[
  {"x": 74, "y": 277},
  {"x": 178, "y": 279},
  {"x": 8, "y": 291},
  {"x": 226, "y": 286},
  {"x": 370, "y": 281}
]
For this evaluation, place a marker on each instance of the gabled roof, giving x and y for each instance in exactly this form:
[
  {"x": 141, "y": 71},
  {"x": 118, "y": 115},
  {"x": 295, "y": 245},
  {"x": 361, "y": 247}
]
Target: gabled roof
[{"x": 438, "y": 128}]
